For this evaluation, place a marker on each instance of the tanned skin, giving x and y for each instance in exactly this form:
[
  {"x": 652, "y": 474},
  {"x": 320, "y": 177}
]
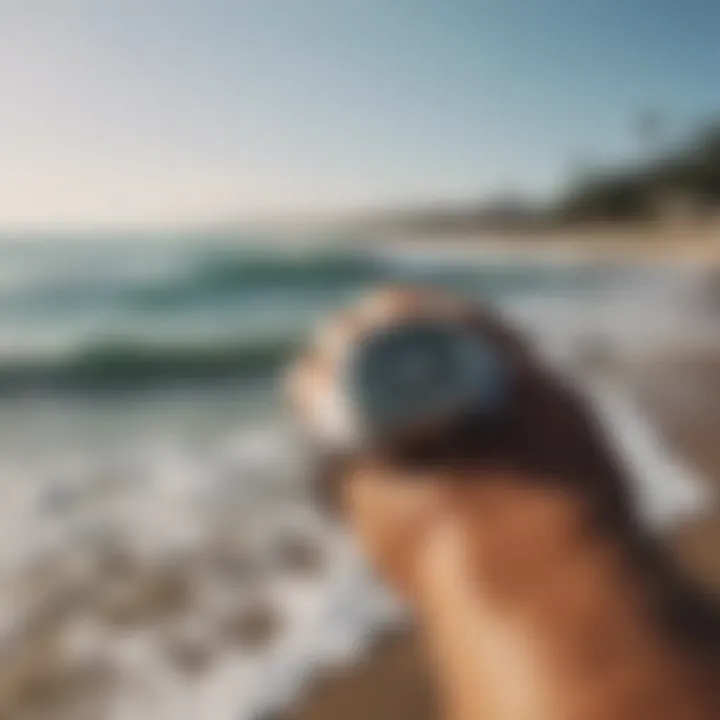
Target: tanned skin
[{"x": 538, "y": 594}]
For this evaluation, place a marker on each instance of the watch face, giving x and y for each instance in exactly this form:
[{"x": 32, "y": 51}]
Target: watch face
[{"x": 419, "y": 372}]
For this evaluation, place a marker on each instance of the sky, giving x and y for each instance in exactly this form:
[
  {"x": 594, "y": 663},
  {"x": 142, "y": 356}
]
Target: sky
[{"x": 172, "y": 112}]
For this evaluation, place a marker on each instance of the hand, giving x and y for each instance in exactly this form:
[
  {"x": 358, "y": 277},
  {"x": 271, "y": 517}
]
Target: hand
[{"x": 395, "y": 518}]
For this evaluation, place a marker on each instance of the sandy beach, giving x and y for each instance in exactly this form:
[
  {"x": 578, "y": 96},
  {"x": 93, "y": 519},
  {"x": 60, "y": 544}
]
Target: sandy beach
[{"x": 673, "y": 245}]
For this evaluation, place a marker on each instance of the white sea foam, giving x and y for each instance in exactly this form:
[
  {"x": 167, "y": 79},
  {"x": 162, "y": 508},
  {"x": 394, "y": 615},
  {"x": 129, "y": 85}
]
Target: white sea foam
[{"x": 172, "y": 506}]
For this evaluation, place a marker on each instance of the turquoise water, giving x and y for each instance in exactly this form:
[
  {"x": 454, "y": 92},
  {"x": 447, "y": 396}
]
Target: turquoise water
[
  {"x": 101, "y": 338},
  {"x": 103, "y": 318}
]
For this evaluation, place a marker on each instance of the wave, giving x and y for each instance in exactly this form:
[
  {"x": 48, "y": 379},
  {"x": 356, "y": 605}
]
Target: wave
[
  {"x": 143, "y": 283},
  {"x": 222, "y": 275},
  {"x": 137, "y": 317},
  {"x": 203, "y": 276},
  {"x": 126, "y": 365},
  {"x": 229, "y": 268}
]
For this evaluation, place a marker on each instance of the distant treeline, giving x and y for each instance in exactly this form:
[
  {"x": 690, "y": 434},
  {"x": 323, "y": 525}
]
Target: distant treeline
[
  {"x": 682, "y": 181},
  {"x": 507, "y": 214}
]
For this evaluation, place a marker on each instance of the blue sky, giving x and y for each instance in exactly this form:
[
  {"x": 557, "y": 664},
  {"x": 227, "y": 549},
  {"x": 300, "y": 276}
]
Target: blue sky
[{"x": 164, "y": 112}]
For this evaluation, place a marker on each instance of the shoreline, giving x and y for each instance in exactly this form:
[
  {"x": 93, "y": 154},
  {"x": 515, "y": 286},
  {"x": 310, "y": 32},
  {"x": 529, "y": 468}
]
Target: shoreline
[{"x": 695, "y": 246}]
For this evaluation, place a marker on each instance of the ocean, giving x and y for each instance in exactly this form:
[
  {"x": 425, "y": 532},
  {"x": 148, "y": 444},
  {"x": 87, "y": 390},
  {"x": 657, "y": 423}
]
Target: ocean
[
  {"x": 98, "y": 340},
  {"x": 102, "y": 339},
  {"x": 139, "y": 409}
]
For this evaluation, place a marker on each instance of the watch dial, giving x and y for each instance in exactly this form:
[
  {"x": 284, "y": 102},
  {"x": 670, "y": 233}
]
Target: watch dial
[{"x": 416, "y": 372}]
